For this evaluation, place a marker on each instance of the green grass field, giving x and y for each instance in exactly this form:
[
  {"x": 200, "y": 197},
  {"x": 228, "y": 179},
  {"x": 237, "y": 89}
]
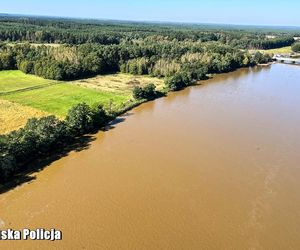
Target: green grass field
[
  {"x": 58, "y": 99},
  {"x": 24, "y": 96},
  {"x": 11, "y": 80}
]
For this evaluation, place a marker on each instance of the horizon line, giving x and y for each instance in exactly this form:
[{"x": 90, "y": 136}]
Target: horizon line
[{"x": 148, "y": 21}]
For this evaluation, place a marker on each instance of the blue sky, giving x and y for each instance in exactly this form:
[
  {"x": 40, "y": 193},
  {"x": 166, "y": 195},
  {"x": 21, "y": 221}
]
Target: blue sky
[{"x": 257, "y": 12}]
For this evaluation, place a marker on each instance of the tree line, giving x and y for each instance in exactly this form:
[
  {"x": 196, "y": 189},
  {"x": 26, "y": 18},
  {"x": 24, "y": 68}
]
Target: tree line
[
  {"x": 73, "y": 31},
  {"x": 41, "y": 136},
  {"x": 159, "y": 58}
]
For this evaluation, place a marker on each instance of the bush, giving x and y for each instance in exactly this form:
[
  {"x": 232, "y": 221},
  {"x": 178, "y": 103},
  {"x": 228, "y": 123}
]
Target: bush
[
  {"x": 7, "y": 166},
  {"x": 80, "y": 119},
  {"x": 179, "y": 81},
  {"x": 27, "y": 67},
  {"x": 296, "y": 47},
  {"x": 99, "y": 116},
  {"x": 138, "y": 93},
  {"x": 261, "y": 58},
  {"x": 148, "y": 92},
  {"x": 46, "y": 132}
]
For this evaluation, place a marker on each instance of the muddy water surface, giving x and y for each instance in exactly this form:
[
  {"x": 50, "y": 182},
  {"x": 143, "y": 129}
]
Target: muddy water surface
[{"x": 215, "y": 166}]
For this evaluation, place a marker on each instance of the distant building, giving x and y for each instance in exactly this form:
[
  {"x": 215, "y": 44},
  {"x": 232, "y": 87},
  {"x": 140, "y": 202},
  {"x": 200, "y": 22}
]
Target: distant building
[
  {"x": 297, "y": 38},
  {"x": 270, "y": 36}
]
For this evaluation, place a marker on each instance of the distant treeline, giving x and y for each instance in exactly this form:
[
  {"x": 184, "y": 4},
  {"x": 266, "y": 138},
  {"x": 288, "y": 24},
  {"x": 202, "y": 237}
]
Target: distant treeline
[
  {"x": 93, "y": 47},
  {"x": 69, "y": 31},
  {"x": 272, "y": 43}
]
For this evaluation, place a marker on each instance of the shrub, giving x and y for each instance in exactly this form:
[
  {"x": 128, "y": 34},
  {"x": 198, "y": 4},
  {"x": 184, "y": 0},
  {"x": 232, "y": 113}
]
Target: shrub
[
  {"x": 46, "y": 132},
  {"x": 100, "y": 116},
  {"x": 148, "y": 92},
  {"x": 261, "y": 58},
  {"x": 7, "y": 166},
  {"x": 138, "y": 93},
  {"x": 296, "y": 47},
  {"x": 178, "y": 81},
  {"x": 27, "y": 67},
  {"x": 80, "y": 119}
]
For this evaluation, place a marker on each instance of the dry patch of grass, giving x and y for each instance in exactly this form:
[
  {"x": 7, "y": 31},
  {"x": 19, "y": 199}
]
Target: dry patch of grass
[
  {"x": 283, "y": 50},
  {"x": 54, "y": 45},
  {"x": 119, "y": 83},
  {"x": 14, "y": 116}
]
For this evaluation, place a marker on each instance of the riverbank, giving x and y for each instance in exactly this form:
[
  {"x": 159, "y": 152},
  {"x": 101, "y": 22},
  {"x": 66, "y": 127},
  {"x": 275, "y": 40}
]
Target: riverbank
[
  {"x": 18, "y": 150},
  {"x": 17, "y": 147},
  {"x": 265, "y": 64}
]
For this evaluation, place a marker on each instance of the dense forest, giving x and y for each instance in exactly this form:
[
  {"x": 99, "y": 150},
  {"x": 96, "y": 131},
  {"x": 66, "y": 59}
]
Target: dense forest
[
  {"x": 86, "y": 48},
  {"x": 73, "y": 31},
  {"x": 65, "y": 49},
  {"x": 158, "y": 58}
]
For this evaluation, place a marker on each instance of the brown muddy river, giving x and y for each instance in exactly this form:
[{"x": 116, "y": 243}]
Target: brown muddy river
[{"x": 215, "y": 166}]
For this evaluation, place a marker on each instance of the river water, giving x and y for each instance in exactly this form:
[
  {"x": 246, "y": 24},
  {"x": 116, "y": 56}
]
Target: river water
[{"x": 215, "y": 166}]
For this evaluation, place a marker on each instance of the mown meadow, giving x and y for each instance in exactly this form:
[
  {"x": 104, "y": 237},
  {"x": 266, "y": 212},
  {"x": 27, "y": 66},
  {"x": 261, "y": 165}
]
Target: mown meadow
[{"x": 58, "y": 99}]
